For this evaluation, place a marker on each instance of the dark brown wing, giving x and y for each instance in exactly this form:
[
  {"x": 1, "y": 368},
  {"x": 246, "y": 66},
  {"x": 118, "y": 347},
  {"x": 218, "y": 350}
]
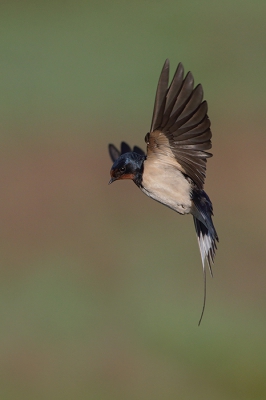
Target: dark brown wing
[{"x": 180, "y": 130}]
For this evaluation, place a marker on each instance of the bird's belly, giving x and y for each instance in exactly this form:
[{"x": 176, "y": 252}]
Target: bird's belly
[{"x": 167, "y": 185}]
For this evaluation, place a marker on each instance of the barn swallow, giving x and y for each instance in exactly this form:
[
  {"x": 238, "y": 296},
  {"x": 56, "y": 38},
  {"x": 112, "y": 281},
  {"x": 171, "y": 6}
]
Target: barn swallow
[{"x": 172, "y": 171}]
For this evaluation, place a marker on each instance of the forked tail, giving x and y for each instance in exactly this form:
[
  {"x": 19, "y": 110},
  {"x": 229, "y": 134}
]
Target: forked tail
[{"x": 207, "y": 237}]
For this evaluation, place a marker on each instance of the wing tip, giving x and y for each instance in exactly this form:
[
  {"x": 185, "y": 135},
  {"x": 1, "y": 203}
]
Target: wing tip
[
  {"x": 114, "y": 153},
  {"x": 166, "y": 63}
]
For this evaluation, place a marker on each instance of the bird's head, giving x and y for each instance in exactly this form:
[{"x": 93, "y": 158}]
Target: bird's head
[{"x": 127, "y": 166}]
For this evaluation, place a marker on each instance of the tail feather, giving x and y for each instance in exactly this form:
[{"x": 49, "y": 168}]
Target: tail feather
[
  {"x": 207, "y": 236},
  {"x": 207, "y": 243},
  {"x": 206, "y": 233}
]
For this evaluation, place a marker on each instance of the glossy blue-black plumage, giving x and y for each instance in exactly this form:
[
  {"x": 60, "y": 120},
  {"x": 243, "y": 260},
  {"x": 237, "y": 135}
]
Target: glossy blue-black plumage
[
  {"x": 128, "y": 166},
  {"x": 125, "y": 148}
]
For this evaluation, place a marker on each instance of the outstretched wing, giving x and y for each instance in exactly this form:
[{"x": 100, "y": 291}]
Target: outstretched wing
[
  {"x": 125, "y": 148},
  {"x": 180, "y": 130}
]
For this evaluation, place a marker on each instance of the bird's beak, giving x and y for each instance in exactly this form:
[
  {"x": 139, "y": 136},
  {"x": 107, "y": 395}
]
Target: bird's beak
[{"x": 111, "y": 181}]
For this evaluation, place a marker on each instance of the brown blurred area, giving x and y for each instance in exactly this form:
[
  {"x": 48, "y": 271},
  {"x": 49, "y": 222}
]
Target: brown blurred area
[{"x": 101, "y": 288}]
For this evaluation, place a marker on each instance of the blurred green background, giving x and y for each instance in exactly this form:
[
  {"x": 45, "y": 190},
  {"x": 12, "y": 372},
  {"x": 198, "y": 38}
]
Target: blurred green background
[{"x": 101, "y": 288}]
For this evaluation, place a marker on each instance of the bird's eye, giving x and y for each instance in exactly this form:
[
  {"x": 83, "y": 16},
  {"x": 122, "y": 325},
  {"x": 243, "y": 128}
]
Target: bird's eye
[{"x": 122, "y": 169}]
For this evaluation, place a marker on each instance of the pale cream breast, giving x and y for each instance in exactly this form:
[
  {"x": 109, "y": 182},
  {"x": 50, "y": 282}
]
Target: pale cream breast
[{"x": 165, "y": 183}]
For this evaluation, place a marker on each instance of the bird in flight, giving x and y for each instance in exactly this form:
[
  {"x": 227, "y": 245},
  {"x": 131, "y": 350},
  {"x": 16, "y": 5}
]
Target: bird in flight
[{"x": 172, "y": 171}]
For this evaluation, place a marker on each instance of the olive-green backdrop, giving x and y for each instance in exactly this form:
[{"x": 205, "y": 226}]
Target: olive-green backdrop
[{"x": 101, "y": 288}]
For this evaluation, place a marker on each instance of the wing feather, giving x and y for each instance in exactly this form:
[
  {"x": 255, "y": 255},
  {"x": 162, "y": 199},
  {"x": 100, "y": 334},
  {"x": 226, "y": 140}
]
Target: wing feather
[
  {"x": 138, "y": 150},
  {"x": 113, "y": 152},
  {"x": 160, "y": 97},
  {"x": 125, "y": 148},
  {"x": 180, "y": 124}
]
